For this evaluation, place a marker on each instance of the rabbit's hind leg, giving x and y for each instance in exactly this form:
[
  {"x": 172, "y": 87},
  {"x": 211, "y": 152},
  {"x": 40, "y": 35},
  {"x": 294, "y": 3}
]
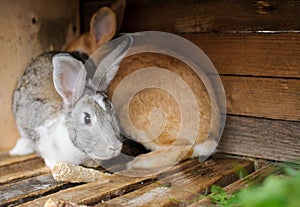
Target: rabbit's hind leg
[{"x": 24, "y": 146}]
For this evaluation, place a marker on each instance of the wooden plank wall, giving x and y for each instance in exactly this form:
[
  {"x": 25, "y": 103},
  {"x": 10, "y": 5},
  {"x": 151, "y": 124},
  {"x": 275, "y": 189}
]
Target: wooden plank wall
[{"x": 255, "y": 46}]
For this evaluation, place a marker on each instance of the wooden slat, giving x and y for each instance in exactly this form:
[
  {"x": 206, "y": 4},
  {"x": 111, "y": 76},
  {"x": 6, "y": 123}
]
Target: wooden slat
[
  {"x": 261, "y": 138},
  {"x": 251, "y": 179},
  {"x": 269, "y": 55},
  {"x": 6, "y": 159},
  {"x": 186, "y": 185},
  {"x": 21, "y": 191},
  {"x": 27, "y": 167},
  {"x": 23, "y": 174},
  {"x": 263, "y": 97},
  {"x": 24, "y": 165},
  {"x": 181, "y": 16},
  {"x": 94, "y": 192}
]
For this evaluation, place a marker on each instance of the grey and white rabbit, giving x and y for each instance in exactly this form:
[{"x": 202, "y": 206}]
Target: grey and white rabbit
[{"x": 62, "y": 115}]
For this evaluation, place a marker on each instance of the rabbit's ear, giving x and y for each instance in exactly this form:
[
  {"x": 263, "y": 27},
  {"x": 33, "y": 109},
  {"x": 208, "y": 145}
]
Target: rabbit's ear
[
  {"x": 109, "y": 66},
  {"x": 68, "y": 77},
  {"x": 103, "y": 25},
  {"x": 119, "y": 8}
]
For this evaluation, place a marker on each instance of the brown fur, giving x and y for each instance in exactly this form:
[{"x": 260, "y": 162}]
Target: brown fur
[{"x": 152, "y": 98}]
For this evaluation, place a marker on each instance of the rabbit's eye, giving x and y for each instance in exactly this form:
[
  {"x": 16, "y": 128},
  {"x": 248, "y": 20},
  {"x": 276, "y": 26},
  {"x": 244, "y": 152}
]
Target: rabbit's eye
[{"x": 87, "y": 119}]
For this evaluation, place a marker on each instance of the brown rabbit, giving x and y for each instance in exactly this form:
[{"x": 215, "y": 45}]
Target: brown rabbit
[
  {"x": 154, "y": 116},
  {"x": 103, "y": 26}
]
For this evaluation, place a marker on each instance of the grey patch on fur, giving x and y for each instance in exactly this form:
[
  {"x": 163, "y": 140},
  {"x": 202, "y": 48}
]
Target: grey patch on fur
[{"x": 30, "y": 97}]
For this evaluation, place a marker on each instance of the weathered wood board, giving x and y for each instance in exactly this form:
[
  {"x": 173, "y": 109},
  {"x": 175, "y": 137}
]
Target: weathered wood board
[
  {"x": 261, "y": 138},
  {"x": 183, "y": 181},
  {"x": 206, "y": 16},
  {"x": 184, "y": 186},
  {"x": 252, "y": 54},
  {"x": 263, "y": 97}
]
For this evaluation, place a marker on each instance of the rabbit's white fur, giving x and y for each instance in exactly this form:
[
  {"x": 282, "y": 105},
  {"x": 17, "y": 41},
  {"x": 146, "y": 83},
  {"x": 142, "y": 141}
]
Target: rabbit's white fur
[
  {"x": 54, "y": 143},
  {"x": 205, "y": 149},
  {"x": 23, "y": 147}
]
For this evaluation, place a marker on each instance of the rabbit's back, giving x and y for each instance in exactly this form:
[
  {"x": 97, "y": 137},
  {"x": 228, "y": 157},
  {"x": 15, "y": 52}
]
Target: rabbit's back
[
  {"x": 154, "y": 106},
  {"x": 35, "y": 98}
]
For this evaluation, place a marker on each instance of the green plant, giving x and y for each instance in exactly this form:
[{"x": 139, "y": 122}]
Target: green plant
[
  {"x": 219, "y": 197},
  {"x": 275, "y": 191}
]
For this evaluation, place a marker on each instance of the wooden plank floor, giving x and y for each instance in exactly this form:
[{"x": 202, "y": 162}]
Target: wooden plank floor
[{"x": 25, "y": 181}]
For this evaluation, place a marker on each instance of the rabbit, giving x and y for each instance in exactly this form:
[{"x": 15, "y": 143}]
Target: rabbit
[
  {"x": 62, "y": 115},
  {"x": 103, "y": 26},
  {"x": 154, "y": 117}
]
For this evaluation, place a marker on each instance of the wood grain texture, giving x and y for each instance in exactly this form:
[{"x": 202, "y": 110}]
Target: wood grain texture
[
  {"x": 95, "y": 192},
  {"x": 205, "y": 16},
  {"x": 27, "y": 167},
  {"x": 263, "y": 97},
  {"x": 24, "y": 165},
  {"x": 6, "y": 159},
  {"x": 268, "y": 55},
  {"x": 254, "y": 178},
  {"x": 261, "y": 138},
  {"x": 19, "y": 192},
  {"x": 183, "y": 187},
  {"x": 23, "y": 174}
]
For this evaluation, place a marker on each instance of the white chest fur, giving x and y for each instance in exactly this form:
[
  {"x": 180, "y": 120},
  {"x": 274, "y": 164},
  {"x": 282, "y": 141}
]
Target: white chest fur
[{"x": 55, "y": 145}]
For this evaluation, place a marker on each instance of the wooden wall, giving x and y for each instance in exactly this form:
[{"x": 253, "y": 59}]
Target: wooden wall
[
  {"x": 255, "y": 46},
  {"x": 28, "y": 28}
]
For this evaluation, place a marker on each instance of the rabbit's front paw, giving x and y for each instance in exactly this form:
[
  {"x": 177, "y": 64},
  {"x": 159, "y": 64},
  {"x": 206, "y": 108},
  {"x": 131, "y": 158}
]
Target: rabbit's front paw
[
  {"x": 23, "y": 147},
  {"x": 50, "y": 163}
]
